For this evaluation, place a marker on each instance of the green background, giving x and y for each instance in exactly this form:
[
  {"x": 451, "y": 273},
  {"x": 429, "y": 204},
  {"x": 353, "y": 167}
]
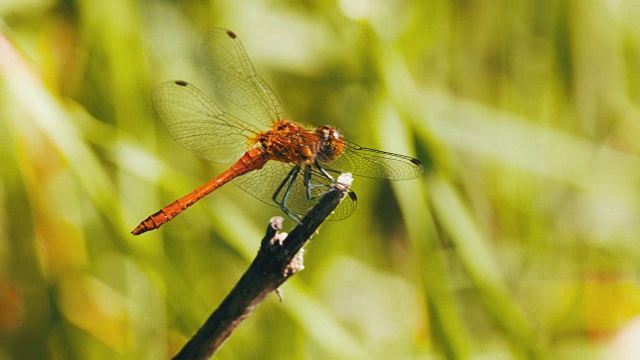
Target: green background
[{"x": 520, "y": 241}]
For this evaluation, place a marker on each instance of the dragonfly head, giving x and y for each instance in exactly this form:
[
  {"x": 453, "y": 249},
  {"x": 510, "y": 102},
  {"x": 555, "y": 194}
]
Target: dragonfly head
[{"x": 331, "y": 143}]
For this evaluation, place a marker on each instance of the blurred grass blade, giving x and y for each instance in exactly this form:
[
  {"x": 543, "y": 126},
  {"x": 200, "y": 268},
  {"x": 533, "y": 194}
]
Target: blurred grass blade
[
  {"x": 481, "y": 265},
  {"x": 28, "y": 92},
  {"x": 438, "y": 297}
]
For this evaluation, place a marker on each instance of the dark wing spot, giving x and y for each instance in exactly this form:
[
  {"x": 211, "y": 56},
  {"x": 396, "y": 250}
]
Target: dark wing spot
[
  {"x": 417, "y": 162},
  {"x": 231, "y": 34},
  {"x": 353, "y": 196},
  {"x": 181, "y": 83}
]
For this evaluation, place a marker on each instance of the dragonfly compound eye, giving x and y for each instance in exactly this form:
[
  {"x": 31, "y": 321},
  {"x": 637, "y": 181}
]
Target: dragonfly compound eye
[{"x": 331, "y": 143}]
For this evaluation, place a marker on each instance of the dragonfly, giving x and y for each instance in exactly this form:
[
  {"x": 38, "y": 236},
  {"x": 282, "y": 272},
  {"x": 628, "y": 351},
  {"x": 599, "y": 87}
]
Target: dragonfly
[{"x": 277, "y": 161}]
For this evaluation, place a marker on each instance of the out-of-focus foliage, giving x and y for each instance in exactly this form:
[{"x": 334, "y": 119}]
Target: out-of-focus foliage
[{"x": 521, "y": 240}]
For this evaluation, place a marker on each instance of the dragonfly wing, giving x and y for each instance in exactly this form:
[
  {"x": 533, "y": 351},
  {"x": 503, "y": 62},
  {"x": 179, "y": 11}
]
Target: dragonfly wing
[
  {"x": 375, "y": 164},
  {"x": 232, "y": 75},
  {"x": 198, "y": 124},
  {"x": 264, "y": 183}
]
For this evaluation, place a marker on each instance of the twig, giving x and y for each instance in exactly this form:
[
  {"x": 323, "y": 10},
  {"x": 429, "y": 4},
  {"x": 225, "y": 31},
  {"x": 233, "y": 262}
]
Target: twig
[{"x": 278, "y": 259}]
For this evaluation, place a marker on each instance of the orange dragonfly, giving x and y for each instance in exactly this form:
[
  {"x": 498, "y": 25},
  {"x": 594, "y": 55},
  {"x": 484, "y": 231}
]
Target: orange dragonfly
[{"x": 280, "y": 162}]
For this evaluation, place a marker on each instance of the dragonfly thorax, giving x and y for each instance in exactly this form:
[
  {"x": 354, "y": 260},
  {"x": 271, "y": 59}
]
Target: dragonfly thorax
[{"x": 290, "y": 142}]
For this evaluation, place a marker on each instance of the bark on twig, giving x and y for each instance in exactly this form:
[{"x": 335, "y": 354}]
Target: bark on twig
[{"x": 277, "y": 260}]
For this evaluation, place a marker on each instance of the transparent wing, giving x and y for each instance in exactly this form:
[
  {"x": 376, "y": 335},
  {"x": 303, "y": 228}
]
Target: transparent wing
[
  {"x": 198, "y": 124},
  {"x": 264, "y": 183},
  {"x": 232, "y": 75},
  {"x": 374, "y": 164}
]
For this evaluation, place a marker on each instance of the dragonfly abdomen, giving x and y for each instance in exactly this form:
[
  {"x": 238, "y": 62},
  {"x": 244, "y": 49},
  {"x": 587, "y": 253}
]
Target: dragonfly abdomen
[{"x": 253, "y": 159}]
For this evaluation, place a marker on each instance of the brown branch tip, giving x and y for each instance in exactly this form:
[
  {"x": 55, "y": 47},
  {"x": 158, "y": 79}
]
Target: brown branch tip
[{"x": 280, "y": 257}]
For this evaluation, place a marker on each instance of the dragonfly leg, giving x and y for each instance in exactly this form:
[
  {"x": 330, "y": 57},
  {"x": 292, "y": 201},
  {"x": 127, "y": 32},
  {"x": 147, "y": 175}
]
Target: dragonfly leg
[
  {"x": 307, "y": 181},
  {"x": 328, "y": 176},
  {"x": 309, "y": 185},
  {"x": 324, "y": 172},
  {"x": 288, "y": 181}
]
